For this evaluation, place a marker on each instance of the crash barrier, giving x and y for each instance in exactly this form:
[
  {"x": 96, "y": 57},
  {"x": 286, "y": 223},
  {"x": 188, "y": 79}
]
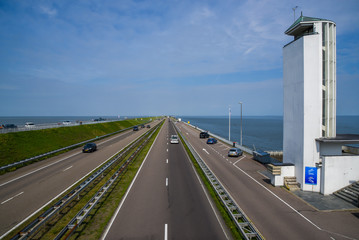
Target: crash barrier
[
  {"x": 33, "y": 227},
  {"x": 246, "y": 228},
  {"x": 85, "y": 211},
  {"x": 61, "y": 149},
  {"x": 234, "y": 144}
]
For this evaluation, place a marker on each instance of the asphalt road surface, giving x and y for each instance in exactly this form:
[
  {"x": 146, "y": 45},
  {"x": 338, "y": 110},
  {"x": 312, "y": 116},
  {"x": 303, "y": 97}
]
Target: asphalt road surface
[
  {"x": 28, "y": 189},
  {"x": 166, "y": 200},
  {"x": 275, "y": 212}
]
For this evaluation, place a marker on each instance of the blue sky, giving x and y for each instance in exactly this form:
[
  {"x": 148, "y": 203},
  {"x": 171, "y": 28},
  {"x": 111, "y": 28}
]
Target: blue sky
[{"x": 160, "y": 57}]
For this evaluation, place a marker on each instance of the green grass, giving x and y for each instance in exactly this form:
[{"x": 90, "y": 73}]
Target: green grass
[
  {"x": 17, "y": 146},
  {"x": 216, "y": 199}
]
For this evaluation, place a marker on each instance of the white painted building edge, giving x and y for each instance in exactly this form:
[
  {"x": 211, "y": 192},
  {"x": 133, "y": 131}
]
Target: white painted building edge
[{"x": 339, "y": 172}]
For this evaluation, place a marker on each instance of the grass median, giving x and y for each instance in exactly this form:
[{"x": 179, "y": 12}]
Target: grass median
[{"x": 216, "y": 199}]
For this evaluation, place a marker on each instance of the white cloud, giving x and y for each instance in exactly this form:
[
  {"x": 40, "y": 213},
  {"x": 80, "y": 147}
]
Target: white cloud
[{"x": 51, "y": 12}]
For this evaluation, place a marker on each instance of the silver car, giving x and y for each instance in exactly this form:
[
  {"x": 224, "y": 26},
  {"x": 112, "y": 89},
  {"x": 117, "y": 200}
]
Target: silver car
[{"x": 235, "y": 152}]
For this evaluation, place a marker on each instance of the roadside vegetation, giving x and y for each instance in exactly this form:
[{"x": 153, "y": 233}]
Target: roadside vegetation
[
  {"x": 96, "y": 222},
  {"x": 17, "y": 146},
  {"x": 221, "y": 208}
]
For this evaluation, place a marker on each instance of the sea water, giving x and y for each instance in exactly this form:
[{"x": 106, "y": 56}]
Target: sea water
[{"x": 263, "y": 132}]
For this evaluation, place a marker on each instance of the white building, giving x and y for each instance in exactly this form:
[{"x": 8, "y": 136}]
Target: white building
[{"x": 310, "y": 142}]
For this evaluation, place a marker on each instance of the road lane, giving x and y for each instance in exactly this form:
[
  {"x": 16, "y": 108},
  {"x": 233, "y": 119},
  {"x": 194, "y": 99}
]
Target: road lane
[
  {"x": 275, "y": 212},
  {"x": 43, "y": 181},
  {"x": 166, "y": 199}
]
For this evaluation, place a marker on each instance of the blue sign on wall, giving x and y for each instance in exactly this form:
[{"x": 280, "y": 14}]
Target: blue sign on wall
[{"x": 311, "y": 175}]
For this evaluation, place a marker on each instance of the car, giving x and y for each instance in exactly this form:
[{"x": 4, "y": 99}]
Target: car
[
  {"x": 142, "y": 126},
  {"x": 10, "y": 125},
  {"x": 204, "y": 135},
  {"x": 211, "y": 141},
  {"x": 174, "y": 139},
  {"x": 66, "y": 122},
  {"x": 135, "y": 128},
  {"x": 89, "y": 147},
  {"x": 235, "y": 152},
  {"x": 148, "y": 126},
  {"x": 29, "y": 125}
]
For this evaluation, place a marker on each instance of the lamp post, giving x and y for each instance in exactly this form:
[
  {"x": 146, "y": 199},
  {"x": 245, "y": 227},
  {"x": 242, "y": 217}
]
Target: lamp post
[
  {"x": 229, "y": 135},
  {"x": 241, "y": 121}
]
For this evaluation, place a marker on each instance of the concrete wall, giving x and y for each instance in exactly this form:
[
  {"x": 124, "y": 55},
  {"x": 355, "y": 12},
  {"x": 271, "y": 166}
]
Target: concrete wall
[
  {"x": 293, "y": 103},
  {"x": 302, "y": 105},
  {"x": 338, "y": 172}
]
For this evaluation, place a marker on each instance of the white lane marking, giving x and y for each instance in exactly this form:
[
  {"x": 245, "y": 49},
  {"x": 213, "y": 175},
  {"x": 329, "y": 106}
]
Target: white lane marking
[
  {"x": 239, "y": 159},
  {"x": 187, "y": 133},
  {"x": 166, "y": 231},
  {"x": 167, "y": 149},
  {"x": 166, "y": 160},
  {"x": 127, "y": 192},
  {"x": 166, "y": 182},
  {"x": 67, "y": 168},
  {"x": 38, "y": 210},
  {"x": 12, "y": 180},
  {"x": 205, "y": 151},
  {"x": 277, "y": 197},
  {"x": 12, "y": 197},
  {"x": 208, "y": 198}
]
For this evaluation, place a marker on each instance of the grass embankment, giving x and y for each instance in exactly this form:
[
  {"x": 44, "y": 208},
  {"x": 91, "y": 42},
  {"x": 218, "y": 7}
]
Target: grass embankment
[
  {"x": 17, "y": 146},
  {"x": 216, "y": 199}
]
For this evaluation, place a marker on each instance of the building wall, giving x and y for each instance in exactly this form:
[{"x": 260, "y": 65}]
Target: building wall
[
  {"x": 339, "y": 172},
  {"x": 302, "y": 105},
  {"x": 293, "y": 103}
]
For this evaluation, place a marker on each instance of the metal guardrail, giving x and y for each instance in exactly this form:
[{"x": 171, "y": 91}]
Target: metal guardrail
[
  {"x": 243, "y": 148},
  {"x": 43, "y": 218},
  {"x": 85, "y": 211},
  {"x": 61, "y": 149},
  {"x": 243, "y": 224}
]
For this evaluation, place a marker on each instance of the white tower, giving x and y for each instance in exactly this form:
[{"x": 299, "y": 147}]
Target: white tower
[{"x": 309, "y": 75}]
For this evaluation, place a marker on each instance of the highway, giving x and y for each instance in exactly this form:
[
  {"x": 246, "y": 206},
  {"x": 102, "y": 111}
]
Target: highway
[
  {"x": 275, "y": 212},
  {"x": 166, "y": 199},
  {"x": 26, "y": 190}
]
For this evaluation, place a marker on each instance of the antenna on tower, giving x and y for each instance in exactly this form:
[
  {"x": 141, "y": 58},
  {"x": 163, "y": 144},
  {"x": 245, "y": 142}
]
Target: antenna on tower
[{"x": 294, "y": 11}]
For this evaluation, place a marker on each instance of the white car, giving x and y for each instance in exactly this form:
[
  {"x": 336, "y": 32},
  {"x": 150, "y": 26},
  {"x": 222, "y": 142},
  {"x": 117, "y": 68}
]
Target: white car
[
  {"x": 29, "y": 125},
  {"x": 174, "y": 139},
  {"x": 66, "y": 122}
]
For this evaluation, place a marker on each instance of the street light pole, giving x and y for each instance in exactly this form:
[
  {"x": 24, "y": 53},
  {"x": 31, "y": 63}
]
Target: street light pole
[
  {"x": 241, "y": 121},
  {"x": 229, "y": 135}
]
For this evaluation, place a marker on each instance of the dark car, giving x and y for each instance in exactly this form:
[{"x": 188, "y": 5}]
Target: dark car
[
  {"x": 235, "y": 152},
  {"x": 10, "y": 126},
  {"x": 89, "y": 147},
  {"x": 204, "y": 135},
  {"x": 142, "y": 126},
  {"x": 135, "y": 128},
  {"x": 148, "y": 126},
  {"x": 211, "y": 141}
]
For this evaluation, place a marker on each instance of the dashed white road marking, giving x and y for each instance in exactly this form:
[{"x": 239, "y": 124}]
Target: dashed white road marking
[
  {"x": 12, "y": 198},
  {"x": 166, "y": 182},
  {"x": 205, "y": 151},
  {"x": 67, "y": 168},
  {"x": 166, "y": 231},
  {"x": 166, "y": 160}
]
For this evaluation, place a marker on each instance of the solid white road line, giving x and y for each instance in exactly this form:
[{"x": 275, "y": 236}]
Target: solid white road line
[
  {"x": 63, "y": 159},
  {"x": 240, "y": 159},
  {"x": 57, "y": 196},
  {"x": 12, "y": 198},
  {"x": 127, "y": 192},
  {"x": 277, "y": 197},
  {"x": 67, "y": 168}
]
